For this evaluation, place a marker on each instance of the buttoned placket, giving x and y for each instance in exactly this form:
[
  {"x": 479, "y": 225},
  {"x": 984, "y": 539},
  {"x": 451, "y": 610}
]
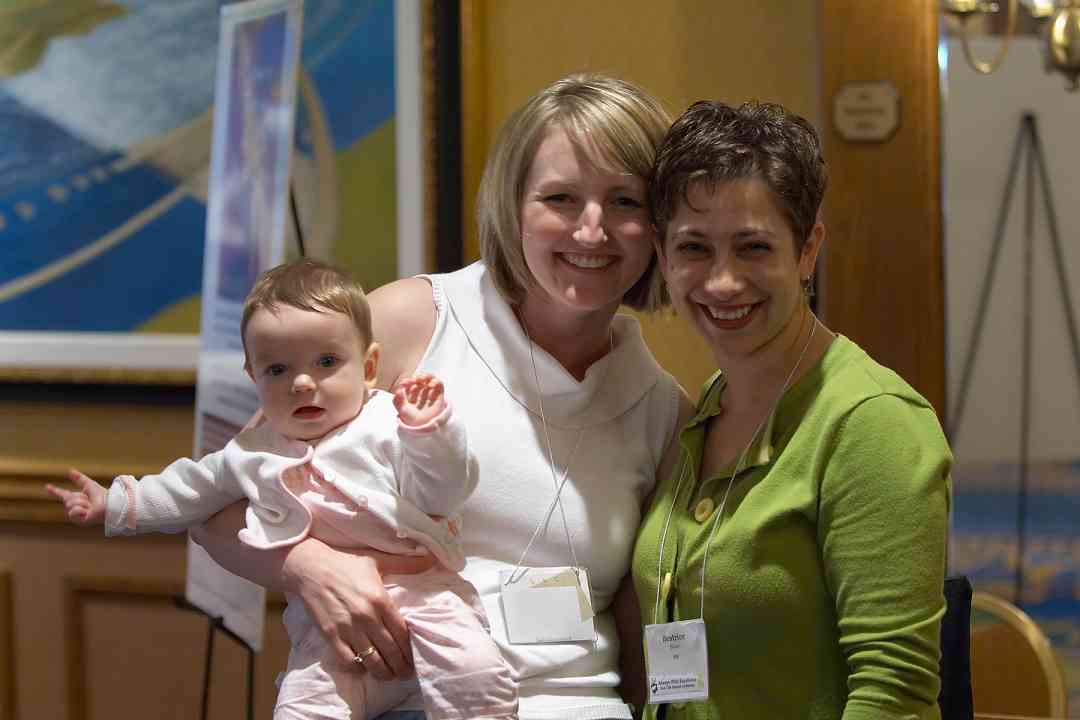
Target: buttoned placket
[{"x": 695, "y": 512}]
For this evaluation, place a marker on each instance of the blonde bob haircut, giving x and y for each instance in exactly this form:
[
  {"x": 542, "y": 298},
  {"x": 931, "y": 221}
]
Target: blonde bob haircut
[
  {"x": 307, "y": 284},
  {"x": 614, "y": 123}
]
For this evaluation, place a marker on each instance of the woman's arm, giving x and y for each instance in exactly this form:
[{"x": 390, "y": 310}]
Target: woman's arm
[
  {"x": 343, "y": 591},
  {"x": 883, "y": 515},
  {"x": 631, "y": 650}
]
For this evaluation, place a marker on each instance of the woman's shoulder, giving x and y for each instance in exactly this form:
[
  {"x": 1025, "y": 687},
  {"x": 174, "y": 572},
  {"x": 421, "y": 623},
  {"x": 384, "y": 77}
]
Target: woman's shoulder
[
  {"x": 854, "y": 395},
  {"x": 400, "y": 297},
  {"x": 861, "y": 400},
  {"x": 403, "y": 322},
  {"x": 851, "y": 376}
]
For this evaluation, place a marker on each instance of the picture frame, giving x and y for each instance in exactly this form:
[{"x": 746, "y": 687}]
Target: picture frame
[{"x": 102, "y": 223}]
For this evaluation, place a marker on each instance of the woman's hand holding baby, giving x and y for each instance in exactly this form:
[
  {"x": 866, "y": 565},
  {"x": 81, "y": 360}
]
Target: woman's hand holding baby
[
  {"x": 419, "y": 399},
  {"x": 85, "y": 506}
]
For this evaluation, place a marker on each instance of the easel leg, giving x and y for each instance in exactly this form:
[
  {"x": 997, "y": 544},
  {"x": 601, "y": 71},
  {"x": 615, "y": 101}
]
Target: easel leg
[
  {"x": 215, "y": 623},
  {"x": 212, "y": 623},
  {"x": 251, "y": 684}
]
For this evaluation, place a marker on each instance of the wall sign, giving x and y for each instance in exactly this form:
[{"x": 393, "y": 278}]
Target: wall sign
[{"x": 866, "y": 111}]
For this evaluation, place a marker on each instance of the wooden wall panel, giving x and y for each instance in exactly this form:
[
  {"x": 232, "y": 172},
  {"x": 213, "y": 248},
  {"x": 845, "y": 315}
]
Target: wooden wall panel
[
  {"x": 681, "y": 51},
  {"x": 7, "y": 648},
  {"x": 103, "y": 431},
  {"x": 97, "y": 633},
  {"x": 133, "y": 652},
  {"x": 882, "y": 279}
]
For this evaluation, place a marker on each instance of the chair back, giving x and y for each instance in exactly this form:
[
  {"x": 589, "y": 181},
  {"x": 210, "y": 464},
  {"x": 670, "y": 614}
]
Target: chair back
[
  {"x": 1014, "y": 670},
  {"x": 955, "y": 696}
]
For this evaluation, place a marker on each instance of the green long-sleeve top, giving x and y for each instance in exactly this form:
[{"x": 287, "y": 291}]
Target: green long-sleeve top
[{"x": 823, "y": 588}]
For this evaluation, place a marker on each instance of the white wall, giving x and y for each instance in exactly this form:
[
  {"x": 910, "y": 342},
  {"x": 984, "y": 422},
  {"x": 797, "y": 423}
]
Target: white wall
[{"x": 981, "y": 119}]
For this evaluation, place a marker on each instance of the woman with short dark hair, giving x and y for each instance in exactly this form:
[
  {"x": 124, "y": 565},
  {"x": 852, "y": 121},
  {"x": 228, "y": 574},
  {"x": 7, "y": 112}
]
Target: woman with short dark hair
[{"x": 794, "y": 560}]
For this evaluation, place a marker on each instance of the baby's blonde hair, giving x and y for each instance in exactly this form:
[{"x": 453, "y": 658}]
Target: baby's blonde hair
[{"x": 310, "y": 285}]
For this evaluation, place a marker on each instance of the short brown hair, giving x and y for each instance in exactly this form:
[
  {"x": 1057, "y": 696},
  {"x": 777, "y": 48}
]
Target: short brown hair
[
  {"x": 599, "y": 114},
  {"x": 311, "y": 285},
  {"x": 712, "y": 143}
]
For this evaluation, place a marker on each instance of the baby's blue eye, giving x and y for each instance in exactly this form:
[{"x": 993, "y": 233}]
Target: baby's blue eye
[
  {"x": 275, "y": 369},
  {"x": 327, "y": 361}
]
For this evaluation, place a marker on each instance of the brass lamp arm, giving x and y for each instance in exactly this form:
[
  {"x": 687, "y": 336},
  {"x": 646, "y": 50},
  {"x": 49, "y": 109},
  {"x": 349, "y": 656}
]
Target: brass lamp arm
[{"x": 982, "y": 67}]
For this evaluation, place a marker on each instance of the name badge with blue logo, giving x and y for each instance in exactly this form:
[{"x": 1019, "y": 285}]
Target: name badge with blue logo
[{"x": 677, "y": 661}]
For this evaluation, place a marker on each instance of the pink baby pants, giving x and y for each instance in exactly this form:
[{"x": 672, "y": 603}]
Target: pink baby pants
[{"x": 460, "y": 670}]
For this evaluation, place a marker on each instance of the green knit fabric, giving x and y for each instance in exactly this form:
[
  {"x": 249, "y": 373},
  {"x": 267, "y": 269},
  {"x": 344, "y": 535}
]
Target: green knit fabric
[{"x": 825, "y": 573}]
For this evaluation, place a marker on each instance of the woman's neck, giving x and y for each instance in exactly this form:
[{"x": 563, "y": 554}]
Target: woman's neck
[{"x": 576, "y": 340}]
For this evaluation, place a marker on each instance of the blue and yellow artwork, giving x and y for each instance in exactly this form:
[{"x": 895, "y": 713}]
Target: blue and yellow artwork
[{"x": 105, "y": 111}]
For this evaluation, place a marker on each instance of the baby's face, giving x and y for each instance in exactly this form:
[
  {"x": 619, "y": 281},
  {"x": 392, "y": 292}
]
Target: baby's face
[{"x": 310, "y": 369}]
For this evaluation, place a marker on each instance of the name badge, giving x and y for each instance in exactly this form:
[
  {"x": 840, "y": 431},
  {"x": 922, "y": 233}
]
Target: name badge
[
  {"x": 677, "y": 661},
  {"x": 547, "y": 605}
]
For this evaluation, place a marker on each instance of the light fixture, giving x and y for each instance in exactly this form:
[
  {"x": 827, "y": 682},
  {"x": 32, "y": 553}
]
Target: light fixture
[{"x": 1061, "y": 26}]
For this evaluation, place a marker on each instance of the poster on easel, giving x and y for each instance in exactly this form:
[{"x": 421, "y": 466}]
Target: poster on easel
[{"x": 247, "y": 212}]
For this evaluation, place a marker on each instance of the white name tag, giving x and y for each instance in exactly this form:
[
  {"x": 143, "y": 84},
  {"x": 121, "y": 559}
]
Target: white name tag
[
  {"x": 547, "y": 605},
  {"x": 677, "y": 661}
]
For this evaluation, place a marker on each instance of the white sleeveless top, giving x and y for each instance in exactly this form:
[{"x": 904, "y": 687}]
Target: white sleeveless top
[{"x": 625, "y": 412}]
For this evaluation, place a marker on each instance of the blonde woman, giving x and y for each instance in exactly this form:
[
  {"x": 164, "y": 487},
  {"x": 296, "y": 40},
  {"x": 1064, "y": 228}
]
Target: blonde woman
[{"x": 552, "y": 384}]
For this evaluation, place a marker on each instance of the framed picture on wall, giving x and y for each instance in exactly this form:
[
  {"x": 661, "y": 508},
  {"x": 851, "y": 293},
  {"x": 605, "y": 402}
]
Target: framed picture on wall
[{"x": 103, "y": 173}]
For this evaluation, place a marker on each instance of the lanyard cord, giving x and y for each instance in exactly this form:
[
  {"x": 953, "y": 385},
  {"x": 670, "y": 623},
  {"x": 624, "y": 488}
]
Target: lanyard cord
[
  {"x": 731, "y": 481},
  {"x": 556, "y": 501},
  {"x": 663, "y": 539}
]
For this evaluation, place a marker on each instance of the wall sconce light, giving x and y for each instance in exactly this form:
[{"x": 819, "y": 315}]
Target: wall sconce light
[{"x": 1061, "y": 26}]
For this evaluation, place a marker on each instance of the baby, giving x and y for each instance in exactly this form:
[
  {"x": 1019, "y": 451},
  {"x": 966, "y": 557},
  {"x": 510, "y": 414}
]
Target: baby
[{"x": 353, "y": 466}]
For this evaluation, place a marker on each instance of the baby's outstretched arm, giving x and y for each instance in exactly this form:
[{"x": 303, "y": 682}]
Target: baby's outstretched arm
[
  {"x": 419, "y": 398},
  {"x": 85, "y": 506}
]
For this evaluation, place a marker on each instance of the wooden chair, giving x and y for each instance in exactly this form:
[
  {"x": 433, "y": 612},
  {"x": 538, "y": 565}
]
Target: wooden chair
[{"x": 1013, "y": 668}]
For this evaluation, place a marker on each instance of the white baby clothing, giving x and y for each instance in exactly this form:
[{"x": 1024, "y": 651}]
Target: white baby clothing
[{"x": 375, "y": 482}]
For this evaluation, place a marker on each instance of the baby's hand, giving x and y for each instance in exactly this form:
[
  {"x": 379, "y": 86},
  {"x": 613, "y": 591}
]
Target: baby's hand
[
  {"x": 419, "y": 399},
  {"x": 85, "y": 506}
]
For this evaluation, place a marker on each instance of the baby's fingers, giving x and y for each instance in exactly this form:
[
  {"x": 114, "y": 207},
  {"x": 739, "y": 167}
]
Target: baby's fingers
[
  {"x": 59, "y": 493},
  {"x": 399, "y": 398},
  {"x": 79, "y": 480},
  {"x": 434, "y": 390}
]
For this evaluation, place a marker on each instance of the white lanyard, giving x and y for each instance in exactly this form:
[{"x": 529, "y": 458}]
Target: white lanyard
[
  {"x": 543, "y": 605},
  {"x": 559, "y": 484},
  {"x": 677, "y": 653},
  {"x": 547, "y": 435},
  {"x": 727, "y": 490}
]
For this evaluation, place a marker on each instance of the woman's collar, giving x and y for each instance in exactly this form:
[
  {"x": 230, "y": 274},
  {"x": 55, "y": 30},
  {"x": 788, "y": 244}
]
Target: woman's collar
[{"x": 611, "y": 386}]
